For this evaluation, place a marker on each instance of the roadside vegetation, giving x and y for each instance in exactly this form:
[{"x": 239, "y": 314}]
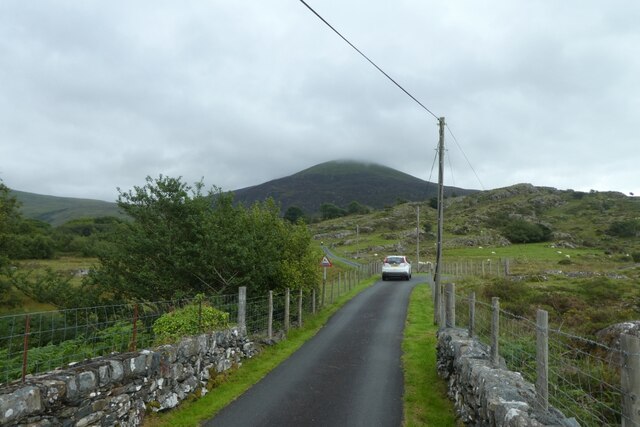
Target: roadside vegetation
[
  {"x": 425, "y": 393},
  {"x": 179, "y": 241},
  {"x": 574, "y": 254}
]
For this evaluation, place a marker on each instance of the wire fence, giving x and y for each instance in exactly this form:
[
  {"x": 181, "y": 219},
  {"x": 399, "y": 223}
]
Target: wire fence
[
  {"x": 583, "y": 379},
  {"x": 478, "y": 268},
  {"x": 33, "y": 343}
]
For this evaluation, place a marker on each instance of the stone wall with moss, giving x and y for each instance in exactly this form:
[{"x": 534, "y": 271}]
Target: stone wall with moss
[
  {"x": 487, "y": 395},
  {"x": 120, "y": 389}
]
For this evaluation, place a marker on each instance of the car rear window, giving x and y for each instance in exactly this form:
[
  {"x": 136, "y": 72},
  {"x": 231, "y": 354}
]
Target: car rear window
[{"x": 394, "y": 260}]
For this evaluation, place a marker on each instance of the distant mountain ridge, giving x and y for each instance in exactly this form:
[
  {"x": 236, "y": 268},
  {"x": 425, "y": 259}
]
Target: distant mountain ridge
[
  {"x": 342, "y": 182},
  {"x": 58, "y": 210},
  {"x": 337, "y": 182}
]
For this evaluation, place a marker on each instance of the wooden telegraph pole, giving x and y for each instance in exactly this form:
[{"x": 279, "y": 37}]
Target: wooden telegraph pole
[
  {"x": 437, "y": 303},
  {"x": 418, "y": 240}
]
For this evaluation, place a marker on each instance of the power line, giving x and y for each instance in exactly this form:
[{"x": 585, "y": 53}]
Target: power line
[
  {"x": 464, "y": 155},
  {"x": 367, "y": 58},
  {"x": 397, "y": 84}
]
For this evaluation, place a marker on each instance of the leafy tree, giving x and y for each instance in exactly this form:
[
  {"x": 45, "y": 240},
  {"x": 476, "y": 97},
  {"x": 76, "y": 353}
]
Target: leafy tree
[
  {"x": 181, "y": 242},
  {"x": 356, "y": 208},
  {"x": 8, "y": 217},
  {"x": 85, "y": 236},
  {"x": 293, "y": 214},
  {"x": 433, "y": 202},
  {"x": 521, "y": 231},
  {"x": 330, "y": 211},
  {"x": 626, "y": 228}
]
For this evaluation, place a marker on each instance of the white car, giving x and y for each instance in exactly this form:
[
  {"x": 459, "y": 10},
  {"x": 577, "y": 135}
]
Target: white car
[{"x": 396, "y": 266}]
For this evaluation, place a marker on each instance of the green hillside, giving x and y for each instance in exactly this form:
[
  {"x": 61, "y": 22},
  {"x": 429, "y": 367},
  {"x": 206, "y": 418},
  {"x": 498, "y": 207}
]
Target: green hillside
[
  {"x": 342, "y": 182},
  {"x": 58, "y": 210},
  {"x": 604, "y": 222}
]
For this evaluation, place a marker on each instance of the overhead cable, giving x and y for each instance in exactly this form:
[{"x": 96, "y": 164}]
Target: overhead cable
[
  {"x": 464, "y": 155},
  {"x": 367, "y": 58}
]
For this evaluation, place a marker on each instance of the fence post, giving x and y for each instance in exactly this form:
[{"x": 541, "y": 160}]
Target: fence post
[
  {"x": 495, "y": 331},
  {"x": 451, "y": 305},
  {"x": 313, "y": 301},
  {"x": 242, "y": 309},
  {"x": 25, "y": 346},
  {"x": 199, "y": 315},
  {"x": 472, "y": 314},
  {"x": 300, "y": 309},
  {"x": 270, "y": 316},
  {"x": 542, "y": 359},
  {"x": 339, "y": 284},
  {"x": 507, "y": 268},
  {"x": 324, "y": 286},
  {"x": 287, "y": 298},
  {"x": 333, "y": 285},
  {"x": 134, "y": 337},
  {"x": 630, "y": 381}
]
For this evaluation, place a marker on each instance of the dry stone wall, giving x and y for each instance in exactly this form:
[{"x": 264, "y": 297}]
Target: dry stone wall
[
  {"x": 484, "y": 395},
  {"x": 120, "y": 389}
]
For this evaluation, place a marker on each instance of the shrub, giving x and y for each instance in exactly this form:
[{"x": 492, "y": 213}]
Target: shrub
[
  {"x": 521, "y": 231},
  {"x": 189, "y": 320},
  {"x": 628, "y": 228}
]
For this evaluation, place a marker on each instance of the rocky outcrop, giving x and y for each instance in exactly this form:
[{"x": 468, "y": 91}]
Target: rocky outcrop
[{"x": 120, "y": 389}]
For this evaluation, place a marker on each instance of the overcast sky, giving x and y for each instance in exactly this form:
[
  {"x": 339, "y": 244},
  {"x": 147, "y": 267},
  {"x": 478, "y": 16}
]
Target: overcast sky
[{"x": 96, "y": 95}]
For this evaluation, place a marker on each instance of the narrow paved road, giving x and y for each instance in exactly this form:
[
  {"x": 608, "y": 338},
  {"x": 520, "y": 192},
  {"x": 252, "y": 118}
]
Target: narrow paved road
[{"x": 349, "y": 374}]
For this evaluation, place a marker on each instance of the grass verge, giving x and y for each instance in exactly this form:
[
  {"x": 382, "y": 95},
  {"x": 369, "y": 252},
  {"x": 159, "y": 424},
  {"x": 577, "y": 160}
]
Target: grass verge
[
  {"x": 231, "y": 385},
  {"x": 425, "y": 393}
]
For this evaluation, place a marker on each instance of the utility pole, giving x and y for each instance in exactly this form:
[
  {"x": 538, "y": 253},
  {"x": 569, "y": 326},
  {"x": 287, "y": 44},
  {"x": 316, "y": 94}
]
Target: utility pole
[
  {"x": 357, "y": 242},
  {"x": 418, "y": 240},
  {"x": 437, "y": 303}
]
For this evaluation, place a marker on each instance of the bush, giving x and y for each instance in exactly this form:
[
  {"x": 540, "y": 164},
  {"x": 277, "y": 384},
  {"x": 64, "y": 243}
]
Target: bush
[
  {"x": 521, "y": 231},
  {"x": 190, "y": 320},
  {"x": 628, "y": 228}
]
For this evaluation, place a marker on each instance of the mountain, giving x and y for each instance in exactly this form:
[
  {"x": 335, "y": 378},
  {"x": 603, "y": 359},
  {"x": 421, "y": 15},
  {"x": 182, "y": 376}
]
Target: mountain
[
  {"x": 58, "y": 210},
  {"x": 342, "y": 182},
  {"x": 337, "y": 182}
]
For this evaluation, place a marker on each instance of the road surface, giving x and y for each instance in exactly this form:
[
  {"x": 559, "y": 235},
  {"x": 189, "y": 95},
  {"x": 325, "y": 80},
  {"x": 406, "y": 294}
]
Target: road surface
[{"x": 349, "y": 374}]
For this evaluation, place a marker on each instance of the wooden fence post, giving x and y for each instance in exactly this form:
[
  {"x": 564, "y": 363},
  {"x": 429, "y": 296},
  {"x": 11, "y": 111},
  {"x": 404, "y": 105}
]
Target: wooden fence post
[
  {"x": 450, "y": 294},
  {"x": 472, "y": 314},
  {"x": 495, "y": 331},
  {"x": 630, "y": 380},
  {"x": 270, "y": 316},
  {"x": 542, "y": 359},
  {"x": 134, "y": 338},
  {"x": 25, "y": 346},
  {"x": 242, "y": 309},
  {"x": 333, "y": 285},
  {"x": 300, "y": 308},
  {"x": 287, "y": 300},
  {"x": 443, "y": 317},
  {"x": 313, "y": 301}
]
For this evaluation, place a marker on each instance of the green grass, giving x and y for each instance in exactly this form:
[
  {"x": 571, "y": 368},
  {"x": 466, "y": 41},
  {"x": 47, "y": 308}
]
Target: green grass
[
  {"x": 232, "y": 384},
  {"x": 425, "y": 399}
]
